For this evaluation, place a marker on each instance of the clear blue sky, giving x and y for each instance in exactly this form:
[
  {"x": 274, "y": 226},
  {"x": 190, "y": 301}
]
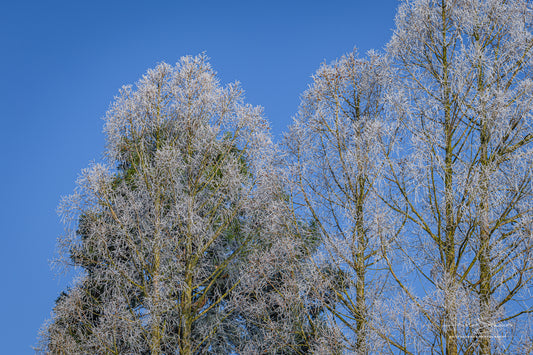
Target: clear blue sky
[{"x": 62, "y": 62}]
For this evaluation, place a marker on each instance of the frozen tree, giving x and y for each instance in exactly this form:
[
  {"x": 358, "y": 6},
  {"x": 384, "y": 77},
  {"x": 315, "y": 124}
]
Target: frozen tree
[
  {"x": 461, "y": 175},
  {"x": 334, "y": 148},
  {"x": 161, "y": 229}
]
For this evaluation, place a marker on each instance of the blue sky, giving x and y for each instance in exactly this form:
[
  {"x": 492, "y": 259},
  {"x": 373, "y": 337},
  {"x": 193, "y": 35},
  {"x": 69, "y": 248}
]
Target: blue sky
[{"x": 62, "y": 62}]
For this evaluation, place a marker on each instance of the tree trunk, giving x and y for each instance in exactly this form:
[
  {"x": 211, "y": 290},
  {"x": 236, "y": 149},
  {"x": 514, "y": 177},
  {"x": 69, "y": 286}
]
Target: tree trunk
[
  {"x": 484, "y": 252},
  {"x": 360, "y": 270}
]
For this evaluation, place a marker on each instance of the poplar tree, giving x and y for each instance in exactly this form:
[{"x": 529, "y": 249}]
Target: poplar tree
[
  {"x": 334, "y": 152},
  {"x": 159, "y": 228},
  {"x": 460, "y": 175}
]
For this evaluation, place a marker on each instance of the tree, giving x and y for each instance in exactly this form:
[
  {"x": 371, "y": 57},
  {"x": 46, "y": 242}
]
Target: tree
[
  {"x": 334, "y": 155},
  {"x": 160, "y": 228},
  {"x": 461, "y": 177}
]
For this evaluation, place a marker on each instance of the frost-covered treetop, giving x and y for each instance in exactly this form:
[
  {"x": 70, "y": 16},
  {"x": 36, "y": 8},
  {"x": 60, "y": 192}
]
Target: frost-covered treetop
[{"x": 174, "y": 104}]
